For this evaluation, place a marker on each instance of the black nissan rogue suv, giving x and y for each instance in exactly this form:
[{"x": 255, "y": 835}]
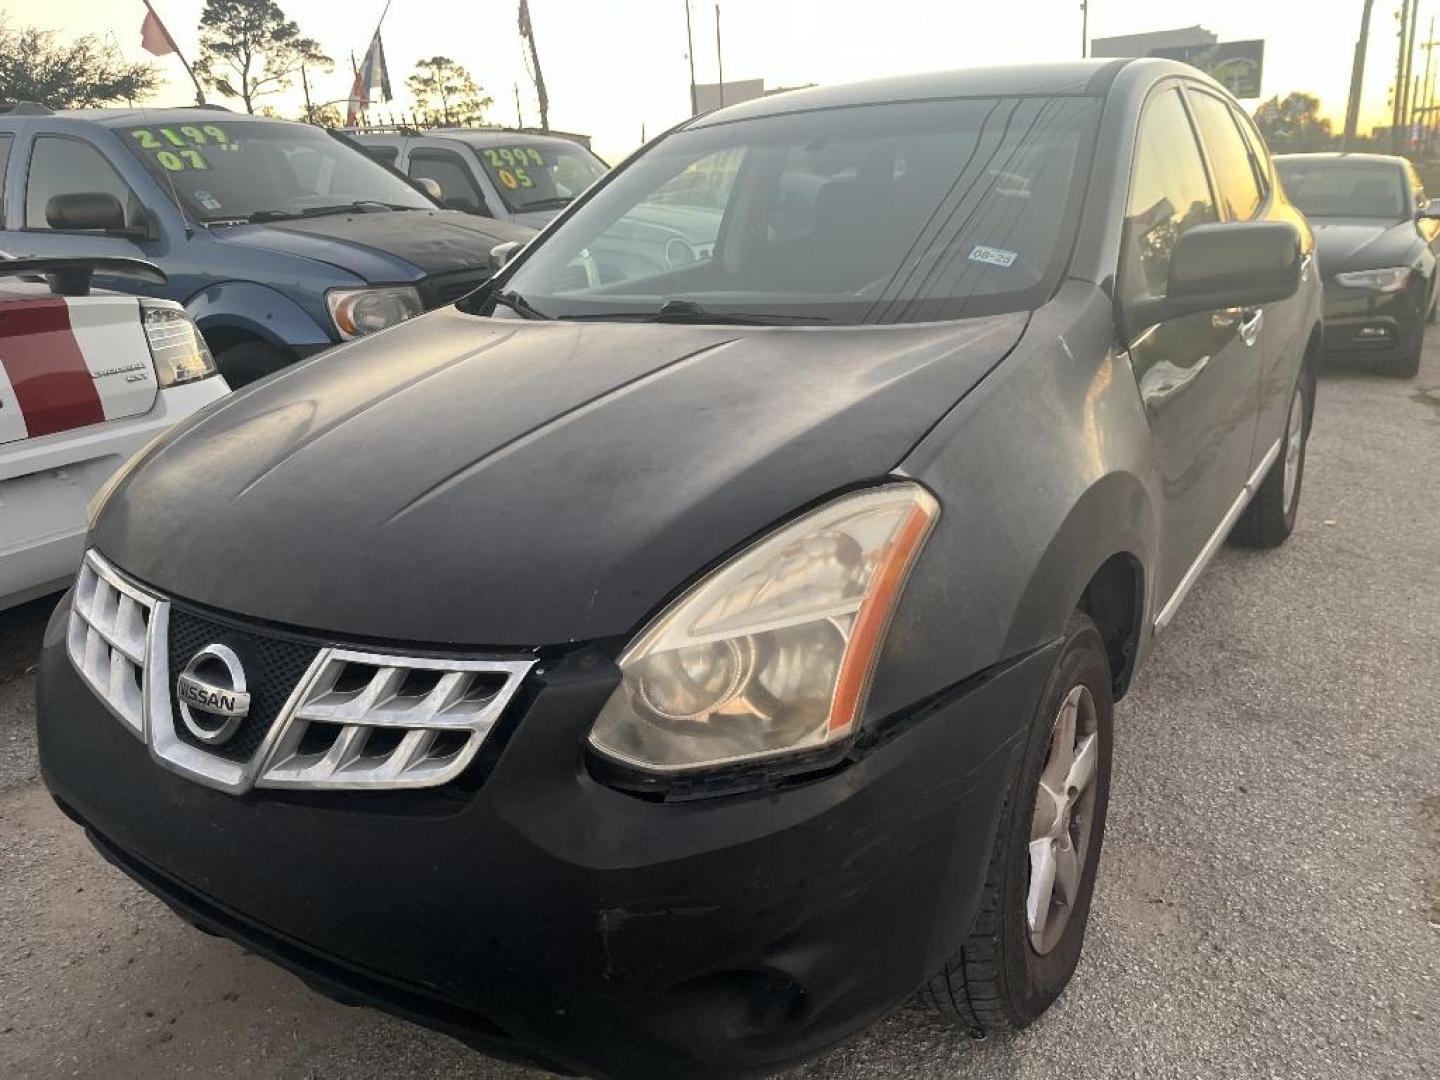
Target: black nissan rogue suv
[{"x": 663, "y": 670}]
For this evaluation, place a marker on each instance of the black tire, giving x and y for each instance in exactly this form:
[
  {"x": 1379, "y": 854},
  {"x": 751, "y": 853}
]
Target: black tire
[
  {"x": 1406, "y": 363},
  {"x": 1270, "y": 518},
  {"x": 997, "y": 982},
  {"x": 251, "y": 360}
]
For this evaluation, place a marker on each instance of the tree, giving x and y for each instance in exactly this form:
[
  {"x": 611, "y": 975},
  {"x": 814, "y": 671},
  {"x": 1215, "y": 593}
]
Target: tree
[
  {"x": 250, "y": 48},
  {"x": 325, "y": 115},
  {"x": 86, "y": 72},
  {"x": 1294, "y": 124},
  {"x": 440, "y": 85}
]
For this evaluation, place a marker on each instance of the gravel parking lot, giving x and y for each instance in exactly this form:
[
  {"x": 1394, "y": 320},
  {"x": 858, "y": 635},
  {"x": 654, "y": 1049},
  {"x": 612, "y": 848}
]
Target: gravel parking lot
[{"x": 1269, "y": 901}]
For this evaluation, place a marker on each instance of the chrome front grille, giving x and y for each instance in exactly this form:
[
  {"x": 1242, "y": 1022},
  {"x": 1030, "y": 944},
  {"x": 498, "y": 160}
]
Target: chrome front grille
[
  {"x": 108, "y": 638},
  {"x": 370, "y": 720},
  {"x": 325, "y": 716}
]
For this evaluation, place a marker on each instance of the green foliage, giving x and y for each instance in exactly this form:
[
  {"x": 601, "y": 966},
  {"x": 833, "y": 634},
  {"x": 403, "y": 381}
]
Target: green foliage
[
  {"x": 250, "y": 48},
  {"x": 1294, "y": 124},
  {"x": 443, "y": 87},
  {"x": 36, "y": 66}
]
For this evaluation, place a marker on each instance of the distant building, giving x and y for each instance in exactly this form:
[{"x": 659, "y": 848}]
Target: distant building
[
  {"x": 1146, "y": 44},
  {"x": 713, "y": 95}
]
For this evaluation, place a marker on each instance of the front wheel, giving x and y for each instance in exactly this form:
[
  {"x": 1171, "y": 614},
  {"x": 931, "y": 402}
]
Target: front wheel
[
  {"x": 1030, "y": 926},
  {"x": 1270, "y": 518}
]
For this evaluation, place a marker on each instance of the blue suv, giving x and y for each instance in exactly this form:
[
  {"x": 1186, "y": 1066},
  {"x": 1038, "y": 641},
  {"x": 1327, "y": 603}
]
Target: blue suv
[{"x": 281, "y": 239}]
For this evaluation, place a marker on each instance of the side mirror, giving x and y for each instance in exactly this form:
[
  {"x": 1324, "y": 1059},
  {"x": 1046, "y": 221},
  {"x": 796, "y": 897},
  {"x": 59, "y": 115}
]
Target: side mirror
[
  {"x": 430, "y": 187},
  {"x": 1430, "y": 210},
  {"x": 500, "y": 254},
  {"x": 90, "y": 211},
  {"x": 1232, "y": 264}
]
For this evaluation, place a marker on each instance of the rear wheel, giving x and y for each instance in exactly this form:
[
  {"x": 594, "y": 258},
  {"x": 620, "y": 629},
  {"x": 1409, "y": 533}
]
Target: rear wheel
[
  {"x": 251, "y": 360},
  {"x": 1029, "y": 929},
  {"x": 1270, "y": 518}
]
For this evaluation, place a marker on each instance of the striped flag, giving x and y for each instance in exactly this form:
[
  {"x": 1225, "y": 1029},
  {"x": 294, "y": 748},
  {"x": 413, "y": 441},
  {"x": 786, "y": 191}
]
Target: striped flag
[{"x": 372, "y": 80}]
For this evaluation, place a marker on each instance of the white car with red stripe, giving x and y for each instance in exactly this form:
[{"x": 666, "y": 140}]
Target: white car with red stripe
[{"x": 86, "y": 381}]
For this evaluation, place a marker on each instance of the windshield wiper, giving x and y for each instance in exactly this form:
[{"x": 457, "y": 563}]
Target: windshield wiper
[
  {"x": 688, "y": 311},
  {"x": 363, "y": 206},
  {"x": 552, "y": 203},
  {"x": 518, "y": 304}
]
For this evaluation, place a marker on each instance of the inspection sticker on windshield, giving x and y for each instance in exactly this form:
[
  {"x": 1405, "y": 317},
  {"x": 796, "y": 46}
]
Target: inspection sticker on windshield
[{"x": 993, "y": 256}]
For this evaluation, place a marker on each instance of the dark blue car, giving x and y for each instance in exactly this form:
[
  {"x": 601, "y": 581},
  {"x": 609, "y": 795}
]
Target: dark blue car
[{"x": 279, "y": 238}]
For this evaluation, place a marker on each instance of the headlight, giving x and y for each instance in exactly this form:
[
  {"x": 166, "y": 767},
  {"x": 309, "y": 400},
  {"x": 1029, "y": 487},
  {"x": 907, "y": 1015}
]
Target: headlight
[
  {"x": 176, "y": 347},
  {"x": 772, "y": 653},
  {"x": 358, "y": 312},
  {"x": 1389, "y": 279}
]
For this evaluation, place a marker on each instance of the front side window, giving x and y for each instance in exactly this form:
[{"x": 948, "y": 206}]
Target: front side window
[
  {"x": 458, "y": 190},
  {"x": 1337, "y": 187},
  {"x": 1169, "y": 193},
  {"x": 60, "y": 165},
  {"x": 1229, "y": 157},
  {"x": 224, "y": 171},
  {"x": 865, "y": 214}
]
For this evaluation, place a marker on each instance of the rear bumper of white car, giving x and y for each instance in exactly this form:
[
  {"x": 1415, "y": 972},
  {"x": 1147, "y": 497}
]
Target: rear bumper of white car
[{"x": 45, "y": 484}]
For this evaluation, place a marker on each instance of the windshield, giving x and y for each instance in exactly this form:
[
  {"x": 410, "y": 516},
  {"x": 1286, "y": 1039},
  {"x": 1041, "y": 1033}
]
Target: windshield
[
  {"x": 865, "y": 214},
  {"x": 1358, "y": 189},
  {"x": 244, "y": 170},
  {"x": 534, "y": 175}
]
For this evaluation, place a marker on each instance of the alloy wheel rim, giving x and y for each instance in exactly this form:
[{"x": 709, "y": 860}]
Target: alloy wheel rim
[
  {"x": 1294, "y": 447},
  {"x": 1061, "y": 828}
]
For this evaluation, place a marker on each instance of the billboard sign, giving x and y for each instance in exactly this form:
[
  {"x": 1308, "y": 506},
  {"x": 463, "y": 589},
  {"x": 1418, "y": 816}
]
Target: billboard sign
[{"x": 1235, "y": 65}]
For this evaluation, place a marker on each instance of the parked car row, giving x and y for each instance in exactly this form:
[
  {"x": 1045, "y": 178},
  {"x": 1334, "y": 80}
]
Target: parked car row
[
  {"x": 701, "y": 630},
  {"x": 280, "y": 239}
]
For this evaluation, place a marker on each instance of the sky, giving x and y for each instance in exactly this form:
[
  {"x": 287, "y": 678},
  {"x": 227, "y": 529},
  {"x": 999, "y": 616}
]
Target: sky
[{"x": 615, "y": 69}]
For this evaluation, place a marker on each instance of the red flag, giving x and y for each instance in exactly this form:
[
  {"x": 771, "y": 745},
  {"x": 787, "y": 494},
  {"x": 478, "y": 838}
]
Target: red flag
[{"x": 154, "y": 38}]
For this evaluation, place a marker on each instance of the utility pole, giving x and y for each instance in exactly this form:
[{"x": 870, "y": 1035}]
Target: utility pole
[
  {"x": 1408, "y": 112},
  {"x": 519, "y": 116},
  {"x": 1409, "y": 10},
  {"x": 1084, "y": 29},
  {"x": 1422, "y": 85},
  {"x": 1357, "y": 78},
  {"x": 690, "y": 54},
  {"x": 1397, "y": 101},
  {"x": 719, "y": 56},
  {"x": 309, "y": 109},
  {"x": 527, "y": 31}
]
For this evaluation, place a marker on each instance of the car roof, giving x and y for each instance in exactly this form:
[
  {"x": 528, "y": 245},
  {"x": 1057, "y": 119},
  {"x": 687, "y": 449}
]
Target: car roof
[
  {"x": 1067, "y": 78},
  {"x": 469, "y": 136},
  {"x": 191, "y": 114},
  {"x": 1336, "y": 155}
]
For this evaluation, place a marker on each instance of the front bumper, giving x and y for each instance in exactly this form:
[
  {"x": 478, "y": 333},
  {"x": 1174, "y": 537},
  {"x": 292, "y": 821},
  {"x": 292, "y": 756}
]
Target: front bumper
[
  {"x": 1362, "y": 323},
  {"x": 538, "y": 914}
]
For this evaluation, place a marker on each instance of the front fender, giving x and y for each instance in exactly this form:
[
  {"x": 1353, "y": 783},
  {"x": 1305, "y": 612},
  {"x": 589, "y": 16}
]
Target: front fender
[
  {"x": 259, "y": 310},
  {"x": 1043, "y": 473}
]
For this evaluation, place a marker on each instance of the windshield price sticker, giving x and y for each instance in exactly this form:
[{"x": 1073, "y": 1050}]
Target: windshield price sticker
[
  {"x": 176, "y": 148},
  {"x": 514, "y": 178},
  {"x": 513, "y": 156}
]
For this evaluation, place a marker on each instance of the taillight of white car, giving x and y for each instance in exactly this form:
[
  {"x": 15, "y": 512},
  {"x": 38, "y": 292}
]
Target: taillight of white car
[{"x": 176, "y": 347}]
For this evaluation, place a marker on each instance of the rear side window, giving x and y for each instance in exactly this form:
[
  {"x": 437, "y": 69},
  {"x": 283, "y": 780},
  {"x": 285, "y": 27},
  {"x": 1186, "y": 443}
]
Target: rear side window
[
  {"x": 1169, "y": 193},
  {"x": 65, "y": 166},
  {"x": 1229, "y": 157},
  {"x": 6, "y": 141},
  {"x": 457, "y": 187},
  {"x": 1259, "y": 156},
  {"x": 387, "y": 154}
]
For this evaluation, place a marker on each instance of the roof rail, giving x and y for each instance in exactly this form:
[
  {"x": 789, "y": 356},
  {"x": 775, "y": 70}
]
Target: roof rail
[{"x": 25, "y": 108}]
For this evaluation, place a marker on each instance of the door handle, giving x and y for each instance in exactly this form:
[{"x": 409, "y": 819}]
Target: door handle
[{"x": 1250, "y": 326}]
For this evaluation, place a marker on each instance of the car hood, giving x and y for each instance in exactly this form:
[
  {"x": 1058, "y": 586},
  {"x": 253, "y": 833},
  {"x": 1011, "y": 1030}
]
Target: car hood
[
  {"x": 486, "y": 482},
  {"x": 398, "y": 246},
  {"x": 1359, "y": 244}
]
